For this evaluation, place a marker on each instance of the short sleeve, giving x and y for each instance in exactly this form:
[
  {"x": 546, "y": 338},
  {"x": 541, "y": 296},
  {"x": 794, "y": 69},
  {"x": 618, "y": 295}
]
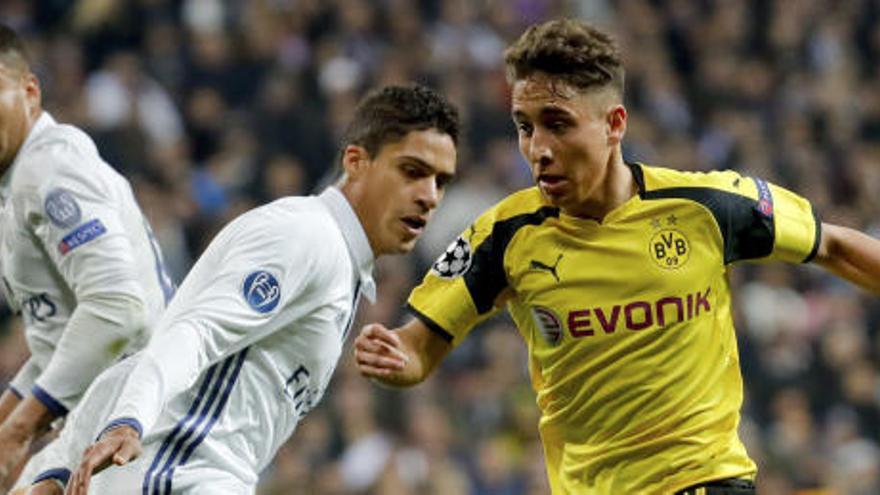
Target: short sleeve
[
  {"x": 466, "y": 284},
  {"x": 768, "y": 222},
  {"x": 797, "y": 227},
  {"x": 757, "y": 220}
]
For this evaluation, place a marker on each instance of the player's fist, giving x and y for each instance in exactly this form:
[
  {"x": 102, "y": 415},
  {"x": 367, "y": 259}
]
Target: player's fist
[{"x": 378, "y": 352}]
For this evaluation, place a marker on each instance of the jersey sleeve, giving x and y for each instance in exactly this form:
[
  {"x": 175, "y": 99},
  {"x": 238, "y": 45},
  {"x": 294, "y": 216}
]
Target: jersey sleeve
[
  {"x": 757, "y": 220},
  {"x": 797, "y": 227},
  {"x": 768, "y": 222},
  {"x": 25, "y": 378},
  {"x": 74, "y": 214},
  {"x": 464, "y": 284},
  {"x": 251, "y": 282}
]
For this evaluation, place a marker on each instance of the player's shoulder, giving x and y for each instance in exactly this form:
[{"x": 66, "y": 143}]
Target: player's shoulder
[
  {"x": 299, "y": 213},
  {"x": 61, "y": 140},
  {"x": 655, "y": 179},
  {"x": 290, "y": 220},
  {"x": 58, "y": 150},
  {"x": 294, "y": 235}
]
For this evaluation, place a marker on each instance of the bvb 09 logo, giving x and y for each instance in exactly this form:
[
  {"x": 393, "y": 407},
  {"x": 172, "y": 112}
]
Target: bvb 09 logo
[{"x": 670, "y": 249}]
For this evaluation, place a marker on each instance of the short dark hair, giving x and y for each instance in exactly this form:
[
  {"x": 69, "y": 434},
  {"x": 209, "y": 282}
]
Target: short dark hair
[
  {"x": 12, "y": 51},
  {"x": 388, "y": 114},
  {"x": 568, "y": 49}
]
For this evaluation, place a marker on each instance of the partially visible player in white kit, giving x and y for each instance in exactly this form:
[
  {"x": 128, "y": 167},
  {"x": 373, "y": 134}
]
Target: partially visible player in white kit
[
  {"x": 77, "y": 259},
  {"x": 250, "y": 341}
]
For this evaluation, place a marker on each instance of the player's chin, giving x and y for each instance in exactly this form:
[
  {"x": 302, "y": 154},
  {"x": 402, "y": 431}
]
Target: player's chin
[
  {"x": 405, "y": 246},
  {"x": 564, "y": 203},
  {"x": 407, "y": 238}
]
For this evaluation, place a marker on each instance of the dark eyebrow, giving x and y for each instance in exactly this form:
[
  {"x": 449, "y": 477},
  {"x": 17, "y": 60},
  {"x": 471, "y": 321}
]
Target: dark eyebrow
[
  {"x": 552, "y": 111},
  {"x": 547, "y": 111},
  {"x": 444, "y": 176}
]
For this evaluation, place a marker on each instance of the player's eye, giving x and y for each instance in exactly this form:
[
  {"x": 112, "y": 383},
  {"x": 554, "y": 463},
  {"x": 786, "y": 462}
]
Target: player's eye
[
  {"x": 524, "y": 128},
  {"x": 412, "y": 172},
  {"x": 557, "y": 126}
]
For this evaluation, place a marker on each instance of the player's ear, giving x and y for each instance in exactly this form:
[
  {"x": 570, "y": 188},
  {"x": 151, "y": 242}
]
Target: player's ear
[
  {"x": 616, "y": 124},
  {"x": 34, "y": 94},
  {"x": 355, "y": 160}
]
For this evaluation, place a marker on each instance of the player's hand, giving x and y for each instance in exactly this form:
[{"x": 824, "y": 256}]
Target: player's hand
[
  {"x": 378, "y": 352},
  {"x": 117, "y": 446}
]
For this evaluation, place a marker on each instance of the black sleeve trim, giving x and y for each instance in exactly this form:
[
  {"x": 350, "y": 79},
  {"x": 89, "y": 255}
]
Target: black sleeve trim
[
  {"x": 486, "y": 278},
  {"x": 431, "y": 324},
  {"x": 817, "y": 240},
  {"x": 747, "y": 230}
]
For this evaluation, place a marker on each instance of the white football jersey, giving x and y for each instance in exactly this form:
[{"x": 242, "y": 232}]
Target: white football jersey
[
  {"x": 245, "y": 349},
  {"x": 71, "y": 231}
]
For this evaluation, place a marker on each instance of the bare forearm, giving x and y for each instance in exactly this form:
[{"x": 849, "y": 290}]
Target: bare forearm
[
  {"x": 851, "y": 255},
  {"x": 28, "y": 421},
  {"x": 413, "y": 373},
  {"x": 8, "y": 401}
]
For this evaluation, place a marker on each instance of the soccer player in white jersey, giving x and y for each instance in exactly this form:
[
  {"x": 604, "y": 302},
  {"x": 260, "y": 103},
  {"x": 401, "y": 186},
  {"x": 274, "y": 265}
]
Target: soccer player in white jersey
[
  {"x": 77, "y": 258},
  {"x": 251, "y": 339}
]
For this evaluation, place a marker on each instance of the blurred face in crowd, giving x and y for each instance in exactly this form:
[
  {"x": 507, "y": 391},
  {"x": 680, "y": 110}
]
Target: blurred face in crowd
[
  {"x": 569, "y": 136},
  {"x": 19, "y": 108},
  {"x": 395, "y": 192}
]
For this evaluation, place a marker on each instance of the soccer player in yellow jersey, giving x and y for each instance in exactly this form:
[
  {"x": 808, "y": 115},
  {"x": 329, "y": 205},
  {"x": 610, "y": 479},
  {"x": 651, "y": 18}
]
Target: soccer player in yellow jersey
[{"x": 616, "y": 276}]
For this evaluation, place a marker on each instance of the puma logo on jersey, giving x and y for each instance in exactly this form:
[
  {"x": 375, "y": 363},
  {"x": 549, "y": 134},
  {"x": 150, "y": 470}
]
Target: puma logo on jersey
[{"x": 538, "y": 265}]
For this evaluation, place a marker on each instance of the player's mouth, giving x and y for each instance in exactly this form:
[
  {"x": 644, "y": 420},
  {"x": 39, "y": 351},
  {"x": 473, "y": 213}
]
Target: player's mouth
[
  {"x": 414, "y": 224},
  {"x": 553, "y": 185}
]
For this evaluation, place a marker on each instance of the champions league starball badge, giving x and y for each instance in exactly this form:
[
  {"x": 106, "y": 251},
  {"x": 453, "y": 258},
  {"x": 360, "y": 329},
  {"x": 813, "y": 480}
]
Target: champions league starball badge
[{"x": 455, "y": 261}]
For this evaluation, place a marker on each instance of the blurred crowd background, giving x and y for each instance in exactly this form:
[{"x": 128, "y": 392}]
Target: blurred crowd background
[{"x": 211, "y": 107}]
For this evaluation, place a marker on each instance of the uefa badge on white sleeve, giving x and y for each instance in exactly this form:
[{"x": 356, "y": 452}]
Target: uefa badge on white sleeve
[
  {"x": 261, "y": 291},
  {"x": 62, "y": 209},
  {"x": 455, "y": 261}
]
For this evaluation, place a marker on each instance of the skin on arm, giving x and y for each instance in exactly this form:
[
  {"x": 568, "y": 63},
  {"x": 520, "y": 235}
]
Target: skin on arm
[
  {"x": 851, "y": 255},
  {"x": 402, "y": 357},
  {"x": 117, "y": 446},
  {"x": 8, "y": 402},
  {"x": 29, "y": 420}
]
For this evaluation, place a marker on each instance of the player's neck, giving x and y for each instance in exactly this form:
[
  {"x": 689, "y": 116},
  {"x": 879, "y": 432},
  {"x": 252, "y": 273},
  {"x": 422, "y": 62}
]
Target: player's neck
[{"x": 616, "y": 188}]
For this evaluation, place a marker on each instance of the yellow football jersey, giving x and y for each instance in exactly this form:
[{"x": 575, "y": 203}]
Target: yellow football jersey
[{"x": 628, "y": 322}]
